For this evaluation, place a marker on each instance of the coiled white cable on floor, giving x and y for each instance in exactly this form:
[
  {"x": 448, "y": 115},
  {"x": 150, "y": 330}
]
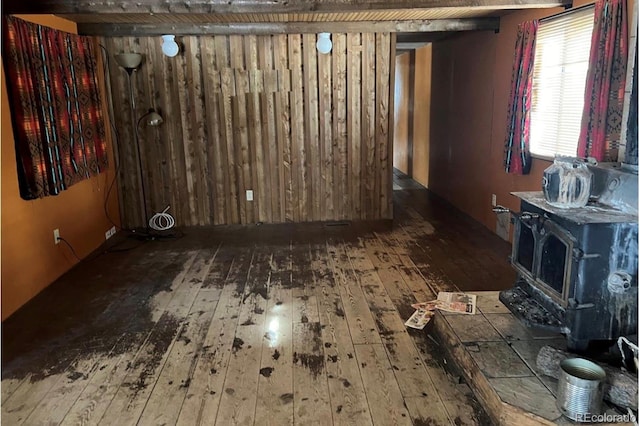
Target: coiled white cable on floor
[{"x": 162, "y": 221}]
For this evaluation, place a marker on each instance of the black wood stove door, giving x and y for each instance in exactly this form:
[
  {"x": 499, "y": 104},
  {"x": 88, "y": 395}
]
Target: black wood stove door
[
  {"x": 542, "y": 253},
  {"x": 554, "y": 260},
  {"x": 553, "y": 263}
]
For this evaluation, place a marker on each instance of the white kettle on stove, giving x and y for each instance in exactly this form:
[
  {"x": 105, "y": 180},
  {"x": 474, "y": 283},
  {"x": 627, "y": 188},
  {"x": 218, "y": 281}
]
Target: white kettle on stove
[{"x": 567, "y": 183}]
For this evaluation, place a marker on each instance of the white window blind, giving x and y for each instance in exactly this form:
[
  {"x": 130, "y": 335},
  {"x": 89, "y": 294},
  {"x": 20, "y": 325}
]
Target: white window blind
[{"x": 559, "y": 76}]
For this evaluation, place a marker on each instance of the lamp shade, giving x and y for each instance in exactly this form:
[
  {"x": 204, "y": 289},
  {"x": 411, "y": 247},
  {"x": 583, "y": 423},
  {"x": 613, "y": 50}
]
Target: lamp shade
[
  {"x": 324, "y": 44},
  {"x": 169, "y": 46},
  {"x": 154, "y": 119},
  {"x": 129, "y": 61}
]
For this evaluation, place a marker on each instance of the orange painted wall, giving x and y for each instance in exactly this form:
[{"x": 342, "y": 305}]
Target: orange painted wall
[
  {"x": 402, "y": 111},
  {"x": 470, "y": 92},
  {"x": 30, "y": 259},
  {"x": 422, "y": 115}
]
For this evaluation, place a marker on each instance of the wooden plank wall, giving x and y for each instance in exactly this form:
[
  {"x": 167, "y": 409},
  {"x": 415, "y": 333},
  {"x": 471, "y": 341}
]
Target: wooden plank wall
[{"x": 308, "y": 133}]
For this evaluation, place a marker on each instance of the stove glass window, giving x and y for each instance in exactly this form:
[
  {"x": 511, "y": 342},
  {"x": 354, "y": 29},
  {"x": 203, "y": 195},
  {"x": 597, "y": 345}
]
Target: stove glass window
[
  {"x": 526, "y": 248},
  {"x": 552, "y": 264}
]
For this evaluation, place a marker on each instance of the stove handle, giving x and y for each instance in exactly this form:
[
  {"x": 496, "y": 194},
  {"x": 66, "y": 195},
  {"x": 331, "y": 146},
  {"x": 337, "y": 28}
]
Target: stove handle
[
  {"x": 579, "y": 254},
  {"x": 516, "y": 215},
  {"x": 573, "y": 304},
  {"x": 528, "y": 216},
  {"x": 501, "y": 209}
]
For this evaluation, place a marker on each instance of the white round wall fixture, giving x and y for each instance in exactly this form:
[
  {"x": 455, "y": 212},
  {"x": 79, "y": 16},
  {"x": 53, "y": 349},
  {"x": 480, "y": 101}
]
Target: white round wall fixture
[
  {"x": 169, "y": 45},
  {"x": 324, "y": 44}
]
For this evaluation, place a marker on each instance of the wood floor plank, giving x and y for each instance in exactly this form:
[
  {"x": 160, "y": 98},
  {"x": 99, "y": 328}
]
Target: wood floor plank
[
  {"x": 447, "y": 387},
  {"x": 385, "y": 400},
  {"x": 202, "y": 401},
  {"x": 401, "y": 296},
  {"x": 195, "y": 262},
  {"x": 367, "y": 277},
  {"x": 53, "y": 409},
  {"x": 359, "y": 317},
  {"x": 52, "y": 394},
  {"x": 464, "y": 410},
  {"x": 9, "y": 386},
  {"x": 274, "y": 405},
  {"x": 399, "y": 255},
  {"x": 130, "y": 399},
  {"x": 470, "y": 257},
  {"x": 220, "y": 268},
  {"x": 439, "y": 265},
  {"x": 414, "y": 371},
  {"x": 310, "y": 386},
  {"x": 61, "y": 394},
  {"x": 346, "y": 392},
  {"x": 426, "y": 410},
  {"x": 165, "y": 401},
  {"x": 305, "y": 303},
  {"x": 438, "y": 244},
  {"x": 23, "y": 401},
  {"x": 409, "y": 371},
  {"x": 238, "y": 402},
  {"x": 411, "y": 374},
  {"x": 418, "y": 226},
  {"x": 98, "y": 393}
]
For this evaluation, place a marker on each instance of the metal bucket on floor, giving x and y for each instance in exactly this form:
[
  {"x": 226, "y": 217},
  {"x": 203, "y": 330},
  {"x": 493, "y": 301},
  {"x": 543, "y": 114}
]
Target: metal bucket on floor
[{"x": 580, "y": 388}]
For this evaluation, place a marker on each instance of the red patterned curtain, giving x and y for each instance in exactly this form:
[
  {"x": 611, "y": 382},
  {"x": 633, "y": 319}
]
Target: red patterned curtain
[
  {"x": 604, "y": 94},
  {"x": 517, "y": 159},
  {"x": 56, "y": 110}
]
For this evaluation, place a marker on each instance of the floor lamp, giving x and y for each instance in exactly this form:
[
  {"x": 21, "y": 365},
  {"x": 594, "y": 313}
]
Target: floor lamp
[{"x": 130, "y": 62}]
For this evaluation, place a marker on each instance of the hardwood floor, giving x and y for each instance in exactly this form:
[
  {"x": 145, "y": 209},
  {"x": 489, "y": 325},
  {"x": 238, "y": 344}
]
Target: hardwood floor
[{"x": 271, "y": 324}]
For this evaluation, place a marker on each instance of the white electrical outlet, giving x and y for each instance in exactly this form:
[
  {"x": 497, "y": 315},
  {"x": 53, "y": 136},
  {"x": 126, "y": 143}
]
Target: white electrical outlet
[
  {"x": 494, "y": 201},
  {"x": 249, "y": 195},
  {"x": 110, "y": 233},
  {"x": 56, "y": 236}
]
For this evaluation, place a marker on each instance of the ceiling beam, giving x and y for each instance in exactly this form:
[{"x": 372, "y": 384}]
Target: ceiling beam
[
  {"x": 410, "y": 46},
  {"x": 437, "y": 25},
  {"x": 255, "y": 6}
]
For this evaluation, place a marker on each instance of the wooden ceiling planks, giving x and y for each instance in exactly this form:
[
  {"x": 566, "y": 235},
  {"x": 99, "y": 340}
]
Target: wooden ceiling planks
[
  {"x": 203, "y": 18},
  {"x": 192, "y": 17},
  {"x": 268, "y": 28},
  {"x": 255, "y": 6},
  {"x": 307, "y": 133}
]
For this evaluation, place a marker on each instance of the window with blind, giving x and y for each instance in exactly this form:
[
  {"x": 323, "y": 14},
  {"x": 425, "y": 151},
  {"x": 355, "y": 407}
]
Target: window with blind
[{"x": 559, "y": 76}]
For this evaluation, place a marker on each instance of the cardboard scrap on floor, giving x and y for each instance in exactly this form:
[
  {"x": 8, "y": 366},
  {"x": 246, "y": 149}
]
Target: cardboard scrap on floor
[{"x": 461, "y": 303}]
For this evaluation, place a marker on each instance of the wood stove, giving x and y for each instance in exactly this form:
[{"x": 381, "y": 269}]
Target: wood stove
[{"x": 578, "y": 268}]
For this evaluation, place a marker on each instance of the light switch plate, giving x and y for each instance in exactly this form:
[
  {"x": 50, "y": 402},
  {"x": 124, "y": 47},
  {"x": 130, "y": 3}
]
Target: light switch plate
[{"x": 249, "y": 195}]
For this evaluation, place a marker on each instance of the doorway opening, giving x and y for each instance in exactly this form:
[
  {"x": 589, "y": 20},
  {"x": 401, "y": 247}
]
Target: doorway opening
[{"x": 412, "y": 112}]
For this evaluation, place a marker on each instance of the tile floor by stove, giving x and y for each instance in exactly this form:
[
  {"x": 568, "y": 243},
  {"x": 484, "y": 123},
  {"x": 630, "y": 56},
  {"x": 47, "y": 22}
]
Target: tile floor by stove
[{"x": 503, "y": 352}]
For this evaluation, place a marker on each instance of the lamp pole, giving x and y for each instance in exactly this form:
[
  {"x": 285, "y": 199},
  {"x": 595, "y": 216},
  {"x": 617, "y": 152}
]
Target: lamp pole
[
  {"x": 130, "y": 63},
  {"x": 154, "y": 120},
  {"x": 136, "y": 140},
  {"x": 141, "y": 175}
]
